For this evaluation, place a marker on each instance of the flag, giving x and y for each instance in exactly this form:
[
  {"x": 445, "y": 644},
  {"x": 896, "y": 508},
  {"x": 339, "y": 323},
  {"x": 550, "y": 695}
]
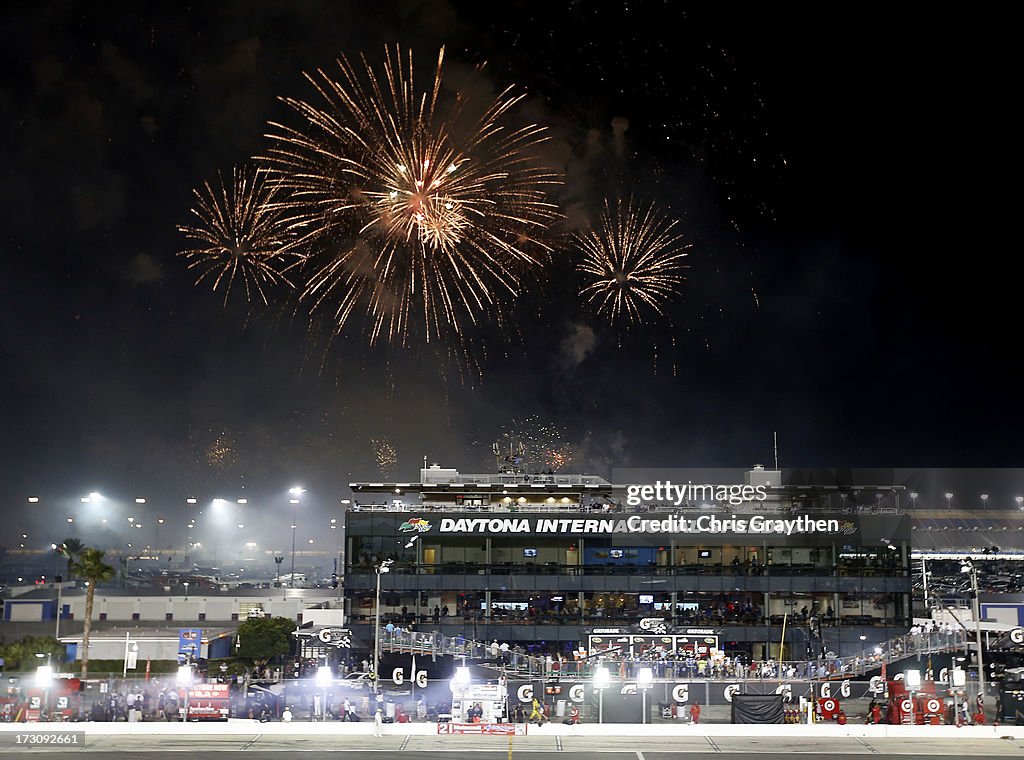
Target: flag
[{"x": 147, "y": 668}]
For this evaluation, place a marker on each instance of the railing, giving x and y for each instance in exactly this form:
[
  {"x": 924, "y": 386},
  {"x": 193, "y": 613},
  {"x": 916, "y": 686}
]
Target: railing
[
  {"x": 519, "y": 663},
  {"x": 923, "y": 644},
  {"x": 625, "y": 618},
  {"x": 633, "y": 568},
  {"x": 514, "y": 478}
]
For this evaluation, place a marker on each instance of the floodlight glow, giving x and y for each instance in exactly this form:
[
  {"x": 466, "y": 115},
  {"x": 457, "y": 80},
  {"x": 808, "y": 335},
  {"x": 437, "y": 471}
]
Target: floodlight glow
[
  {"x": 461, "y": 677},
  {"x": 44, "y": 676},
  {"x": 602, "y": 678},
  {"x": 324, "y": 676},
  {"x": 33, "y": 499},
  {"x": 959, "y": 677},
  {"x": 191, "y": 500},
  {"x": 140, "y": 501},
  {"x": 912, "y": 678},
  {"x": 644, "y": 677},
  {"x": 184, "y": 677}
]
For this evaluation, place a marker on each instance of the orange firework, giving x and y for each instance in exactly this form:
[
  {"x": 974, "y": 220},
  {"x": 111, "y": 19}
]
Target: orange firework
[
  {"x": 240, "y": 234},
  {"x": 416, "y": 213},
  {"x": 632, "y": 261}
]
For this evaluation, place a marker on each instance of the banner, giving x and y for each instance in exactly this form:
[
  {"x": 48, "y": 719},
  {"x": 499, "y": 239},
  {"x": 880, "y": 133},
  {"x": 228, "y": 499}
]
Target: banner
[
  {"x": 483, "y": 729},
  {"x": 190, "y": 642}
]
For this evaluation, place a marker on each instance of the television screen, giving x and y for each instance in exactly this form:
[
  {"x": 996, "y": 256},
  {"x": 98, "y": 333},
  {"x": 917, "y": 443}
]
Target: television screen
[
  {"x": 615, "y": 553},
  {"x": 704, "y": 554},
  {"x": 529, "y": 552},
  {"x": 646, "y": 598}
]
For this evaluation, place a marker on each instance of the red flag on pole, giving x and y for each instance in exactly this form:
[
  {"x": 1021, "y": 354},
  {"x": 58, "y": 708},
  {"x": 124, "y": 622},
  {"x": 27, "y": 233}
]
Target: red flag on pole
[{"x": 147, "y": 668}]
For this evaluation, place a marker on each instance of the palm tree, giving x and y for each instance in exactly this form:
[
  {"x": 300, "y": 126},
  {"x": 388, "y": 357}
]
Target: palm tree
[
  {"x": 70, "y": 549},
  {"x": 91, "y": 568}
]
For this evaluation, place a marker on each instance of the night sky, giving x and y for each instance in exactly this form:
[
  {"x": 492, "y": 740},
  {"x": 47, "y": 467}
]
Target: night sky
[{"x": 849, "y": 284}]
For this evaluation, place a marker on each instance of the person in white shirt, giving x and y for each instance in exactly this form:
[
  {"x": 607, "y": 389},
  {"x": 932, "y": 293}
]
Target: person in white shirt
[{"x": 378, "y": 723}]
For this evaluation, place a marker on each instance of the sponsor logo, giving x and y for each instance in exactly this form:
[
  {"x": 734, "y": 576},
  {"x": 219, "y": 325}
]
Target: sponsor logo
[
  {"x": 417, "y": 524},
  {"x": 654, "y": 625}
]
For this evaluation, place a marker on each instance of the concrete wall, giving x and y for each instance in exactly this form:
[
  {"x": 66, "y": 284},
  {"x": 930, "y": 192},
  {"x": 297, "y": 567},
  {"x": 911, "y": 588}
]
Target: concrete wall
[{"x": 197, "y": 608}]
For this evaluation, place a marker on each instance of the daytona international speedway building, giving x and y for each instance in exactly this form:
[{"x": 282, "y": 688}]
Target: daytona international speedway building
[{"x": 557, "y": 560}]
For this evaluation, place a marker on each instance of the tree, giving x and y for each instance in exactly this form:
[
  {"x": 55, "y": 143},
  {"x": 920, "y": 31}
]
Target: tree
[
  {"x": 91, "y": 568},
  {"x": 21, "y": 654},
  {"x": 70, "y": 549},
  {"x": 262, "y": 639}
]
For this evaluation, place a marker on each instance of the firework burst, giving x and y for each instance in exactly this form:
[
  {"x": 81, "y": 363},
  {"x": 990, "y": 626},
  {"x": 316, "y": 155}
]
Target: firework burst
[
  {"x": 632, "y": 261},
  {"x": 531, "y": 443},
  {"x": 385, "y": 455},
  {"x": 417, "y": 214},
  {"x": 240, "y": 234}
]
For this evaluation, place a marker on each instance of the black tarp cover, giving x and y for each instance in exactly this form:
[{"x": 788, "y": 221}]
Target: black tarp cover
[{"x": 757, "y": 708}]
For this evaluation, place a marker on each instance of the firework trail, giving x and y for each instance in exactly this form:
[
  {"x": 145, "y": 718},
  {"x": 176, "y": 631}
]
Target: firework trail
[
  {"x": 416, "y": 214},
  {"x": 240, "y": 233},
  {"x": 632, "y": 262}
]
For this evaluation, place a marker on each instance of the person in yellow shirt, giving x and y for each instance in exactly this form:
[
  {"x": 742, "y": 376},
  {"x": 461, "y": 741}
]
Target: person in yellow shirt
[{"x": 537, "y": 713}]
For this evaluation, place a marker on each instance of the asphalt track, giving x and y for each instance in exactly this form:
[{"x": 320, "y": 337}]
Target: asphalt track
[{"x": 537, "y": 747}]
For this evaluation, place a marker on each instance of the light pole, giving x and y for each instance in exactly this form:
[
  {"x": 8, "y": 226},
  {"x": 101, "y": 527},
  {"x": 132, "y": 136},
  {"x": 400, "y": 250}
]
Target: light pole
[
  {"x": 644, "y": 679},
  {"x": 967, "y": 566},
  {"x": 130, "y": 647},
  {"x": 924, "y": 581},
  {"x": 1020, "y": 501},
  {"x": 59, "y": 580},
  {"x": 601, "y": 680},
  {"x": 296, "y": 492},
  {"x": 383, "y": 567},
  {"x": 324, "y": 678},
  {"x": 185, "y": 584},
  {"x": 277, "y": 561},
  {"x": 191, "y": 501},
  {"x": 44, "y": 680},
  {"x": 984, "y": 500},
  {"x": 913, "y": 499},
  {"x": 949, "y": 499}
]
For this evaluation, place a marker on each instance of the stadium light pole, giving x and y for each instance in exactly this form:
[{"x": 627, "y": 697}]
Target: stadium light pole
[
  {"x": 601, "y": 680},
  {"x": 278, "y": 559},
  {"x": 383, "y": 567},
  {"x": 296, "y": 492},
  {"x": 967, "y": 566}
]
